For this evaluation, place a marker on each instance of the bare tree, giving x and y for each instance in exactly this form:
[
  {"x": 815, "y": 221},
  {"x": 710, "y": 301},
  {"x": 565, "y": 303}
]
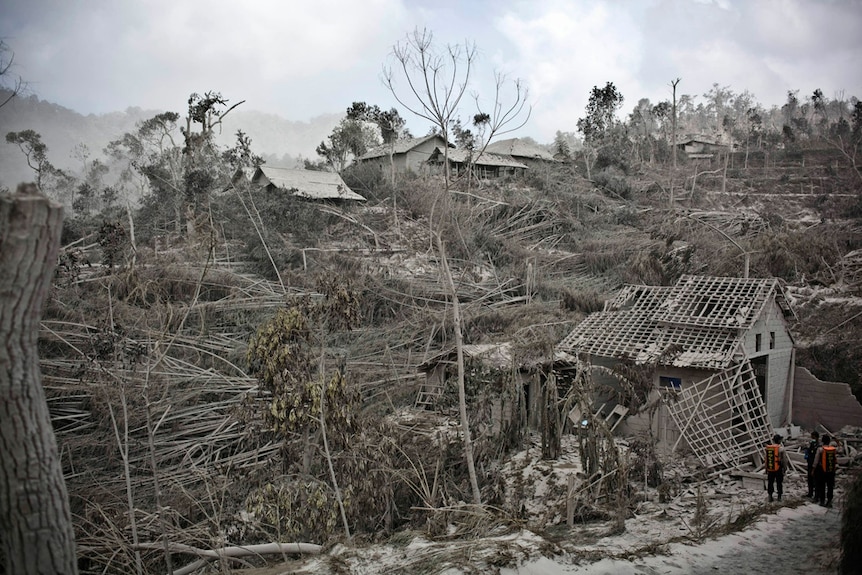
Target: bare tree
[
  {"x": 502, "y": 117},
  {"x": 36, "y": 531},
  {"x": 437, "y": 80},
  {"x": 9, "y": 80}
]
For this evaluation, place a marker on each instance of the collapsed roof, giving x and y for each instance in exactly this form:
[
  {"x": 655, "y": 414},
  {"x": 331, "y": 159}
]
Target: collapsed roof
[{"x": 704, "y": 317}]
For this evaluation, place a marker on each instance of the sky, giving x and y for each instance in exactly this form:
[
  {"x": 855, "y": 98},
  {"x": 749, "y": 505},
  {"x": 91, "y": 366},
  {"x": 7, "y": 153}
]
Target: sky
[{"x": 300, "y": 59}]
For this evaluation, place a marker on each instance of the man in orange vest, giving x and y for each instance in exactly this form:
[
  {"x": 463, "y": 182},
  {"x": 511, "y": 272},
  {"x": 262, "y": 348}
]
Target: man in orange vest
[
  {"x": 825, "y": 463},
  {"x": 776, "y": 463}
]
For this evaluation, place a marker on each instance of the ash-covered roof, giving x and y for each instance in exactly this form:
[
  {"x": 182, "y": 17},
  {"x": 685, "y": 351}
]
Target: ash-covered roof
[
  {"x": 400, "y": 147},
  {"x": 518, "y": 148},
  {"x": 705, "y": 318},
  {"x": 496, "y": 355},
  {"x": 486, "y": 159},
  {"x": 309, "y": 184}
]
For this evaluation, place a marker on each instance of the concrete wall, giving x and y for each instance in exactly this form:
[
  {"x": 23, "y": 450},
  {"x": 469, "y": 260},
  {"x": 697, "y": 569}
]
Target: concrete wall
[{"x": 778, "y": 351}]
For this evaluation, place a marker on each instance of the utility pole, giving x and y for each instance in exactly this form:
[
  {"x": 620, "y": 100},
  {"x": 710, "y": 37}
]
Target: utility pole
[{"x": 673, "y": 120}]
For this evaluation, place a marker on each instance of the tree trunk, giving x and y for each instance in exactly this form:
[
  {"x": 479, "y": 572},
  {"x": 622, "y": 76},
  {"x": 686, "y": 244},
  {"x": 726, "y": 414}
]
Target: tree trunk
[
  {"x": 462, "y": 395},
  {"x": 36, "y": 531}
]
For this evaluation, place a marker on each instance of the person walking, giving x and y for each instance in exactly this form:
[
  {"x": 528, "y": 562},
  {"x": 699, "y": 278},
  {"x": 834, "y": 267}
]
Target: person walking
[
  {"x": 810, "y": 452},
  {"x": 776, "y": 464},
  {"x": 825, "y": 462}
]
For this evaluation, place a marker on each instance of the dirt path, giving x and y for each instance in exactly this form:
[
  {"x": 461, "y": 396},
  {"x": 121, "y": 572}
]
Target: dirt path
[{"x": 802, "y": 540}]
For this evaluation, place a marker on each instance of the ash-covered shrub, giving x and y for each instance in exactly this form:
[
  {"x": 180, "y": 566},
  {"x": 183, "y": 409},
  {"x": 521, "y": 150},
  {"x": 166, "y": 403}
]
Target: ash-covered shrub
[{"x": 613, "y": 182}]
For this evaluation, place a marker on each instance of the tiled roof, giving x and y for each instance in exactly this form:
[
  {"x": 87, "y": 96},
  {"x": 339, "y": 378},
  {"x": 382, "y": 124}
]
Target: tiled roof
[
  {"x": 825, "y": 403},
  {"x": 306, "y": 183},
  {"x": 518, "y": 148},
  {"x": 704, "y": 317}
]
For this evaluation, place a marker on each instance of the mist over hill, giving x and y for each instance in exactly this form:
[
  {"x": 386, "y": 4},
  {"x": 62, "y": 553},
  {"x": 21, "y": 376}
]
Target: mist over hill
[{"x": 279, "y": 140}]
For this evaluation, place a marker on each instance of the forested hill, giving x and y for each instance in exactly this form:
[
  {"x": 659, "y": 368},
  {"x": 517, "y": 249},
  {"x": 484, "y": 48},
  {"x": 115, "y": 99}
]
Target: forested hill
[{"x": 277, "y": 139}]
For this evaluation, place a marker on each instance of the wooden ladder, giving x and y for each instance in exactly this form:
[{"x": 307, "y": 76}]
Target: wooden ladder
[{"x": 428, "y": 396}]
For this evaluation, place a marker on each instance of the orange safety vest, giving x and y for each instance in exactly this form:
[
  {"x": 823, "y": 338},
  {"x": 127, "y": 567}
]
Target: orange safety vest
[
  {"x": 773, "y": 460},
  {"x": 829, "y": 459}
]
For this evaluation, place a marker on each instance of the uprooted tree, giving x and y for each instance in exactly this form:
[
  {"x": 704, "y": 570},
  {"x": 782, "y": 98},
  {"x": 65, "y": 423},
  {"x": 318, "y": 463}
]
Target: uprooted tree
[{"x": 36, "y": 531}]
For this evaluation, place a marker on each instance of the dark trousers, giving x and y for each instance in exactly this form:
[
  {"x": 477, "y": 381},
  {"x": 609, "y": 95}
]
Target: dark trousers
[
  {"x": 811, "y": 482},
  {"x": 775, "y": 479},
  {"x": 825, "y": 485}
]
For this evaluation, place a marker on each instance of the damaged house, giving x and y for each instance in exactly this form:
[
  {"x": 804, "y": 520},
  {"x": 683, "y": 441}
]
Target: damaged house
[
  {"x": 485, "y": 165},
  {"x": 723, "y": 362},
  {"x": 517, "y": 400}
]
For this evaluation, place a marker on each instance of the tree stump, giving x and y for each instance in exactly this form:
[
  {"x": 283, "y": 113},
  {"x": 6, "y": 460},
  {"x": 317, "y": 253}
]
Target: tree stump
[{"x": 36, "y": 533}]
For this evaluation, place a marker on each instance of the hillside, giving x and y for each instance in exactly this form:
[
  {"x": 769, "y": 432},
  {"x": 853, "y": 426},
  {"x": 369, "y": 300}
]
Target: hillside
[
  {"x": 198, "y": 324},
  {"x": 280, "y": 140}
]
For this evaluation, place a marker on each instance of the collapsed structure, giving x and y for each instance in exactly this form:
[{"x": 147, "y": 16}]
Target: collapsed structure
[{"x": 722, "y": 355}]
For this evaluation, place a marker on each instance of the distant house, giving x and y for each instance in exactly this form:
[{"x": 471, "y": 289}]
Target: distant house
[
  {"x": 307, "y": 184},
  {"x": 701, "y": 147},
  {"x": 522, "y": 151},
  {"x": 723, "y": 360},
  {"x": 486, "y": 165},
  {"x": 407, "y": 155}
]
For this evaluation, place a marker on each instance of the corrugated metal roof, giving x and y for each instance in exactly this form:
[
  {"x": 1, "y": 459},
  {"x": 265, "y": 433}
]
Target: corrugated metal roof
[
  {"x": 486, "y": 159},
  {"x": 705, "y": 317},
  {"x": 309, "y": 184},
  {"x": 401, "y": 147},
  {"x": 518, "y": 148}
]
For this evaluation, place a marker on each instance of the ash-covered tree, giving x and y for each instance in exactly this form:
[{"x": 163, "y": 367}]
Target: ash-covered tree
[
  {"x": 50, "y": 180},
  {"x": 350, "y": 139},
  {"x": 648, "y": 129},
  {"x": 11, "y": 84},
  {"x": 846, "y": 137},
  {"x": 175, "y": 179},
  {"x": 203, "y": 169},
  {"x": 308, "y": 400},
  {"x": 240, "y": 155},
  {"x": 600, "y": 127},
  {"x": 152, "y": 162},
  {"x": 389, "y": 122}
]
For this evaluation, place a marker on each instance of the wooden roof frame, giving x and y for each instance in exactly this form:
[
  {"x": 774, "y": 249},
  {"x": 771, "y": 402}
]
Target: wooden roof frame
[{"x": 706, "y": 317}]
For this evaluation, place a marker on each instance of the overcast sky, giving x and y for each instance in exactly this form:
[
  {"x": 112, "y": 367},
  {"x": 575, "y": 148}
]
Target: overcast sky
[{"x": 300, "y": 59}]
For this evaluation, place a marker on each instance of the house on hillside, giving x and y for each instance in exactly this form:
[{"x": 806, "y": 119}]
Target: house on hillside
[
  {"x": 407, "y": 155},
  {"x": 701, "y": 147},
  {"x": 523, "y": 151},
  {"x": 306, "y": 184},
  {"x": 723, "y": 361},
  {"x": 485, "y": 165},
  {"x": 441, "y": 372}
]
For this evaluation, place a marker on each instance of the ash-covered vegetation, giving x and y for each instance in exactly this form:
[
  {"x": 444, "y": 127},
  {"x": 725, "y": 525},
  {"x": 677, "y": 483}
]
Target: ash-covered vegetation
[{"x": 231, "y": 365}]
